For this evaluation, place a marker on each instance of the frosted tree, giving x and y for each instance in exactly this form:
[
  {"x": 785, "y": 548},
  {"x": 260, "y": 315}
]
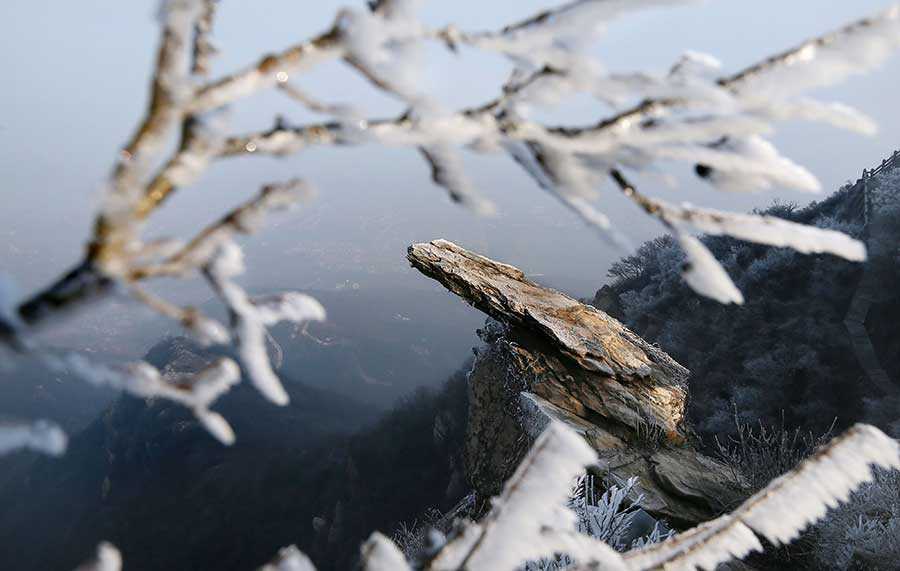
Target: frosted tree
[{"x": 694, "y": 113}]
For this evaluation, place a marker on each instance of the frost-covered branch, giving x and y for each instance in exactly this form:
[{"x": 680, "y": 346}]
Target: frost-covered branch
[
  {"x": 267, "y": 72},
  {"x": 245, "y": 219},
  {"x": 692, "y": 114},
  {"x": 530, "y": 519},
  {"x": 289, "y": 559},
  {"x": 702, "y": 272},
  {"x": 196, "y": 391},
  {"x": 718, "y": 123},
  {"x": 204, "y": 50},
  {"x": 170, "y": 90},
  {"x": 250, "y": 317},
  {"x": 852, "y": 49},
  {"x": 780, "y": 511},
  {"x": 40, "y": 435},
  {"x": 107, "y": 558}
]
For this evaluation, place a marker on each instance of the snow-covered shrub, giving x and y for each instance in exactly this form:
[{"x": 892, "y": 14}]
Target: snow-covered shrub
[
  {"x": 884, "y": 193},
  {"x": 717, "y": 123},
  {"x": 786, "y": 351},
  {"x": 864, "y": 534},
  {"x": 413, "y": 538},
  {"x": 533, "y": 520},
  {"x": 609, "y": 517},
  {"x": 758, "y": 453}
]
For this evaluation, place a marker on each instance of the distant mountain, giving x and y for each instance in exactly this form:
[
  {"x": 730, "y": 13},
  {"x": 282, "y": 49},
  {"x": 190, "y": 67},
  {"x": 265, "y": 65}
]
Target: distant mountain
[
  {"x": 146, "y": 476},
  {"x": 30, "y": 389},
  {"x": 818, "y": 338},
  {"x": 378, "y": 346}
]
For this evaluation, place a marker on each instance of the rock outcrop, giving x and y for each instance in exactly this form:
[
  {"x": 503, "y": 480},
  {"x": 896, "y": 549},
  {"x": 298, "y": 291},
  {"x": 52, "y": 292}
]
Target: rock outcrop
[{"x": 548, "y": 356}]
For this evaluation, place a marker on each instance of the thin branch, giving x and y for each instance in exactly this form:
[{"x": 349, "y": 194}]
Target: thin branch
[
  {"x": 242, "y": 220},
  {"x": 204, "y": 50},
  {"x": 803, "y": 53},
  {"x": 266, "y": 72},
  {"x": 173, "y": 100},
  {"x": 311, "y": 103},
  {"x": 205, "y": 329},
  {"x": 806, "y": 51},
  {"x": 195, "y": 150},
  {"x": 170, "y": 80}
]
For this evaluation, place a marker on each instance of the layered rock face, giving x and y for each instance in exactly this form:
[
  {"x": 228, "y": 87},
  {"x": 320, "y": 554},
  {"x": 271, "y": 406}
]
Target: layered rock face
[{"x": 549, "y": 357}]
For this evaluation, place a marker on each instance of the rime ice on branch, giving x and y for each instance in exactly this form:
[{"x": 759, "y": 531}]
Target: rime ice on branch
[
  {"x": 692, "y": 114},
  {"x": 40, "y": 435},
  {"x": 529, "y": 519}
]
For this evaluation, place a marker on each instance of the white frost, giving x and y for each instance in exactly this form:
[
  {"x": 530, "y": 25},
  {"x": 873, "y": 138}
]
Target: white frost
[
  {"x": 40, "y": 436},
  {"x": 108, "y": 558},
  {"x": 704, "y": 274},
  {"x": 556, "y": 36},
  {"x": 781, "y": 510},
  {"x": 381, "y": 554},
  {"x": 252, "y": 317},
  {"x": 196, "y": 391},
  {"x": 447, "y": 171},
  {"x": 289, "y": 559},
  {"x": 764, "y": 229},
  {"x": 824, "y": 61}
]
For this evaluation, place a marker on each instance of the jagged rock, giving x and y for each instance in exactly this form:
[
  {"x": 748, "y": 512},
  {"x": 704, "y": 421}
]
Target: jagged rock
[
  {"x": 547, "y": 356},
  {"x": 625, "y": 377}
]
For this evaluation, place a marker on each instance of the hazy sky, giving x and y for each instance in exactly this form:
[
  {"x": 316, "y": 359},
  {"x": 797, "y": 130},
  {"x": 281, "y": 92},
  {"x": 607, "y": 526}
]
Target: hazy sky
[{"x": 75, "y": 78}]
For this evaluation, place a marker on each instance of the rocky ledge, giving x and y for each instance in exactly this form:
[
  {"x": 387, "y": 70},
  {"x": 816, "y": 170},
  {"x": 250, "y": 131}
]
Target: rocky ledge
[{"x": 547, "y": 356}]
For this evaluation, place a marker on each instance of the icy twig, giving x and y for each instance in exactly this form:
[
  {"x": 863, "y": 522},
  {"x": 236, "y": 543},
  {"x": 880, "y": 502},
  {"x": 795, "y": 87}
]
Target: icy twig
[
  {"x": 40, "y": 436},
  {"x": 197, "y": 391},
  {"x": 245, "y": 219},
  {"x": 107, "y": 558}
]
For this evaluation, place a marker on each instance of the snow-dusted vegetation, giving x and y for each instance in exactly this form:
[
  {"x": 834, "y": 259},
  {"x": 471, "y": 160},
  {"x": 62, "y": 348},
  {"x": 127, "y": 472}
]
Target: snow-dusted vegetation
[
  {"x": 717, "y": 122},
  {"x": 786, "y": 354},
  {"x": 531, "y": 521}
]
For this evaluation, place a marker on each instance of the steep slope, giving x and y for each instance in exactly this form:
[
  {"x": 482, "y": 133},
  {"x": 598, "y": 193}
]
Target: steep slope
[
  {"x": 795, "y": 352},
  {"x": 146, "y": 476}
]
